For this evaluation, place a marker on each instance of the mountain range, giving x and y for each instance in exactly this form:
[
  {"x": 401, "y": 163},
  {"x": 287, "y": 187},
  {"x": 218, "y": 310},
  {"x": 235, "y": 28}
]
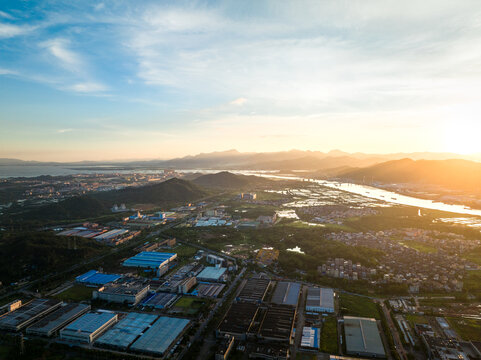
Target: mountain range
[{"x": 283, "y": 160}]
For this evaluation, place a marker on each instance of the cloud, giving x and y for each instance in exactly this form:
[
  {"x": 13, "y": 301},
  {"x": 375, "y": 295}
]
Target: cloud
[
  {"x": 9, "y": 30},
  {"x": 62, "y": 131},
  {"x": 67, "y": 58},
  {"x": 88, "y": 87},
  {"x": 5, "y": 15},
  {"x": 239, "y": 101}
]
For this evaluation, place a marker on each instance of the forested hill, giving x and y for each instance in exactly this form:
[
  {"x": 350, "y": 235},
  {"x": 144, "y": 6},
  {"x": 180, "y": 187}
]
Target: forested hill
[
  {"x": 229, "y": 180},
  {"x": 452, "y": 174},
  {"x": 167, "y": 193}
]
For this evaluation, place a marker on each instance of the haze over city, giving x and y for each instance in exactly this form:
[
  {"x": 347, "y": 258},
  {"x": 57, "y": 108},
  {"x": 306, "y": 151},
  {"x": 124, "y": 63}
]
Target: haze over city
[{"x": 99, "y": 80}]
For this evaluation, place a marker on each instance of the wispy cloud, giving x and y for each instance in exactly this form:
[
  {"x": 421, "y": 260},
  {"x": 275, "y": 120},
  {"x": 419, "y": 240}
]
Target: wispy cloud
[
  {"x": 10, "y": 30},
  {"x": 62, "y": 131},
  {"x": 88, "y": 87},
  {"x": 67, "y": 58}
]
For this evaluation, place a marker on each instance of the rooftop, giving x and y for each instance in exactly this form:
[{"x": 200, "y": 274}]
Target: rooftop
[
  {"x": 90, "y": 322},
  {"x": 254, "y": 289},
  {"x": 125, "y": 286},
  {"x": 239, "y": 318},
  {"x": 278, "y": 322},
  {"x": 362, "y": 336},
  {"x": 122, "y": 334},
  {"x": 286, "y": 293},
  {"x": 320, "y": 298},
  {"x": 97, "y": 278},
  {"x": 212, "y": 273},
  {"x": 56, "y": 319},
  {"x": 158, "y": 338},
  {"x": 150, "y": 259},
  {"x": 27, "y": 313}
]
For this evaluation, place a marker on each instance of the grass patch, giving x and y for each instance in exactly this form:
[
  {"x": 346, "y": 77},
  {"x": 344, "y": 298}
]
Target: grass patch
[
  {"x": 474, "y": 255},
  {"x": 416, "y": 319},
  {"x": 189, "y": 305},
  {"x": 76, "y": 293},
  {"x": 472, "y": 282},
  {"x": 419, "y": 246},
  {"x": 358, "y": 306},
  {"x": 467, "y": 329},
  {"x": 329, "y": 336},
  {"x": 184, "y": 250}
]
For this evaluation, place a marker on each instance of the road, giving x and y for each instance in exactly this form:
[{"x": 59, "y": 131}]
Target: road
[
  {"x": 299, "y": 323},
  {"x": 397, "y": 340},
  {"x": 207, "y": 320}
]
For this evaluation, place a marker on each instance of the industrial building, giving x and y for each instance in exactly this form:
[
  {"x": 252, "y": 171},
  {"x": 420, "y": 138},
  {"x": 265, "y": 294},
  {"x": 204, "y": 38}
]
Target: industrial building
[
  {"x": 150, "y": 260},
  {"x": 209, "y": 290},
  {"x": 94, "y": 277},
  {"x": 186, "y": 284},
  {"x": 310, "y": 338},
  {"x": 88, "y": 327},
  {"x": 56, "y": 320},
  {"x": 286, "y": 293},
  {"x": 126, "y": 331},
  {"x": 362, "y": 337},
  {"x": 214, "y": 259},
  {"x": 160, "y": 336},
  {"x": 211, "y": 273},
  {"x": 25, "y": 315},
  {"x": 124, "y": 291},
  {"x": 278, "y": 323},
  {"x": 254, "y": 290},
  {"x": 238, "y": 320},
  {"x": 160, "y": 300},
  {"x": 320, "y": 300}
]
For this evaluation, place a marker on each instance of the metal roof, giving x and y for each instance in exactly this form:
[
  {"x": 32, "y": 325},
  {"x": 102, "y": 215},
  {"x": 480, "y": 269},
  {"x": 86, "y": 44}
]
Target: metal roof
[
  {"x": 97, "y": 278},
  {"x": 211, "y": 272},
  {"x": 55, "y": 320},
  {"x": 90, "y": 322},
  {"x": 286, "y": 293},
  {"x": 28, "y": 313},
  {"x": 122, "y": 334},
  {"x": 158, "y": 338},
  {"x": 150, "y": 259},
  {"x": 310, "y": 337},
  {"x": 362, "y": 336},
  {"x": 322, "y": 298}
]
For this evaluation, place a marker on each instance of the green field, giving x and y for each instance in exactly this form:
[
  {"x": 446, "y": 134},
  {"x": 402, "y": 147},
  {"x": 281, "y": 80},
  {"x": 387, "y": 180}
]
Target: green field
[
  {"x": 76, "y": 293},
  {"x": 467, "y": 329},
  {"x": 419, "y": 246},
  {"x": 329, "y": 336},
  {"x": 184, "y": 250},
  {"x": 472, "y": 282},
  {"x": 416, "y": 319},
  {"x": 474, "y": 255},
  {"x": 189, "y": 305},
  {"x": 358, "y": 306}
]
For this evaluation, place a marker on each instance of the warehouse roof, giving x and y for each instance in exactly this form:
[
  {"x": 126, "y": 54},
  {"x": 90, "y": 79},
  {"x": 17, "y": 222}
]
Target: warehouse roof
[
  {"x": 286, "y": 293},
  {"x": 278, "y": 322},
  {"x": 239, "y": 318},
  {"x": 158, "y": 338},
  {"x": 55, "y": 320},
  {"x": 254, "y": 289},
  {"x": 322, "y": 298},
  {"x": 159, "y": 300},
  {"x": 124, "y": 333},
  {"x": 90, "y": 322},
  {"x": 362, "y": 336},
  {"x": 212, "y": 273},
  {"x": 97, "y": 278},
  {"x": 26, "y": 314},
  {"x": 150, "y": 259}
]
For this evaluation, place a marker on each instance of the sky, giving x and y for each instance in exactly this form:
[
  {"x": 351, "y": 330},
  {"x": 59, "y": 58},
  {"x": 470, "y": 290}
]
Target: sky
[{"x": 100, "y": 80}]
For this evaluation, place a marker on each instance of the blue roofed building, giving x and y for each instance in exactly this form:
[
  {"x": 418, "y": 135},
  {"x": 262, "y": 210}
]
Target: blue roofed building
[
  {"x": 94, "y": 277},
  {"x": 160, "y": 336},
  {"x": 126, "y": 331},
  {"x": 88, "y": 327},
  {"x": 150, "y": 260},
  {"x": 310, "y": 338}
]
